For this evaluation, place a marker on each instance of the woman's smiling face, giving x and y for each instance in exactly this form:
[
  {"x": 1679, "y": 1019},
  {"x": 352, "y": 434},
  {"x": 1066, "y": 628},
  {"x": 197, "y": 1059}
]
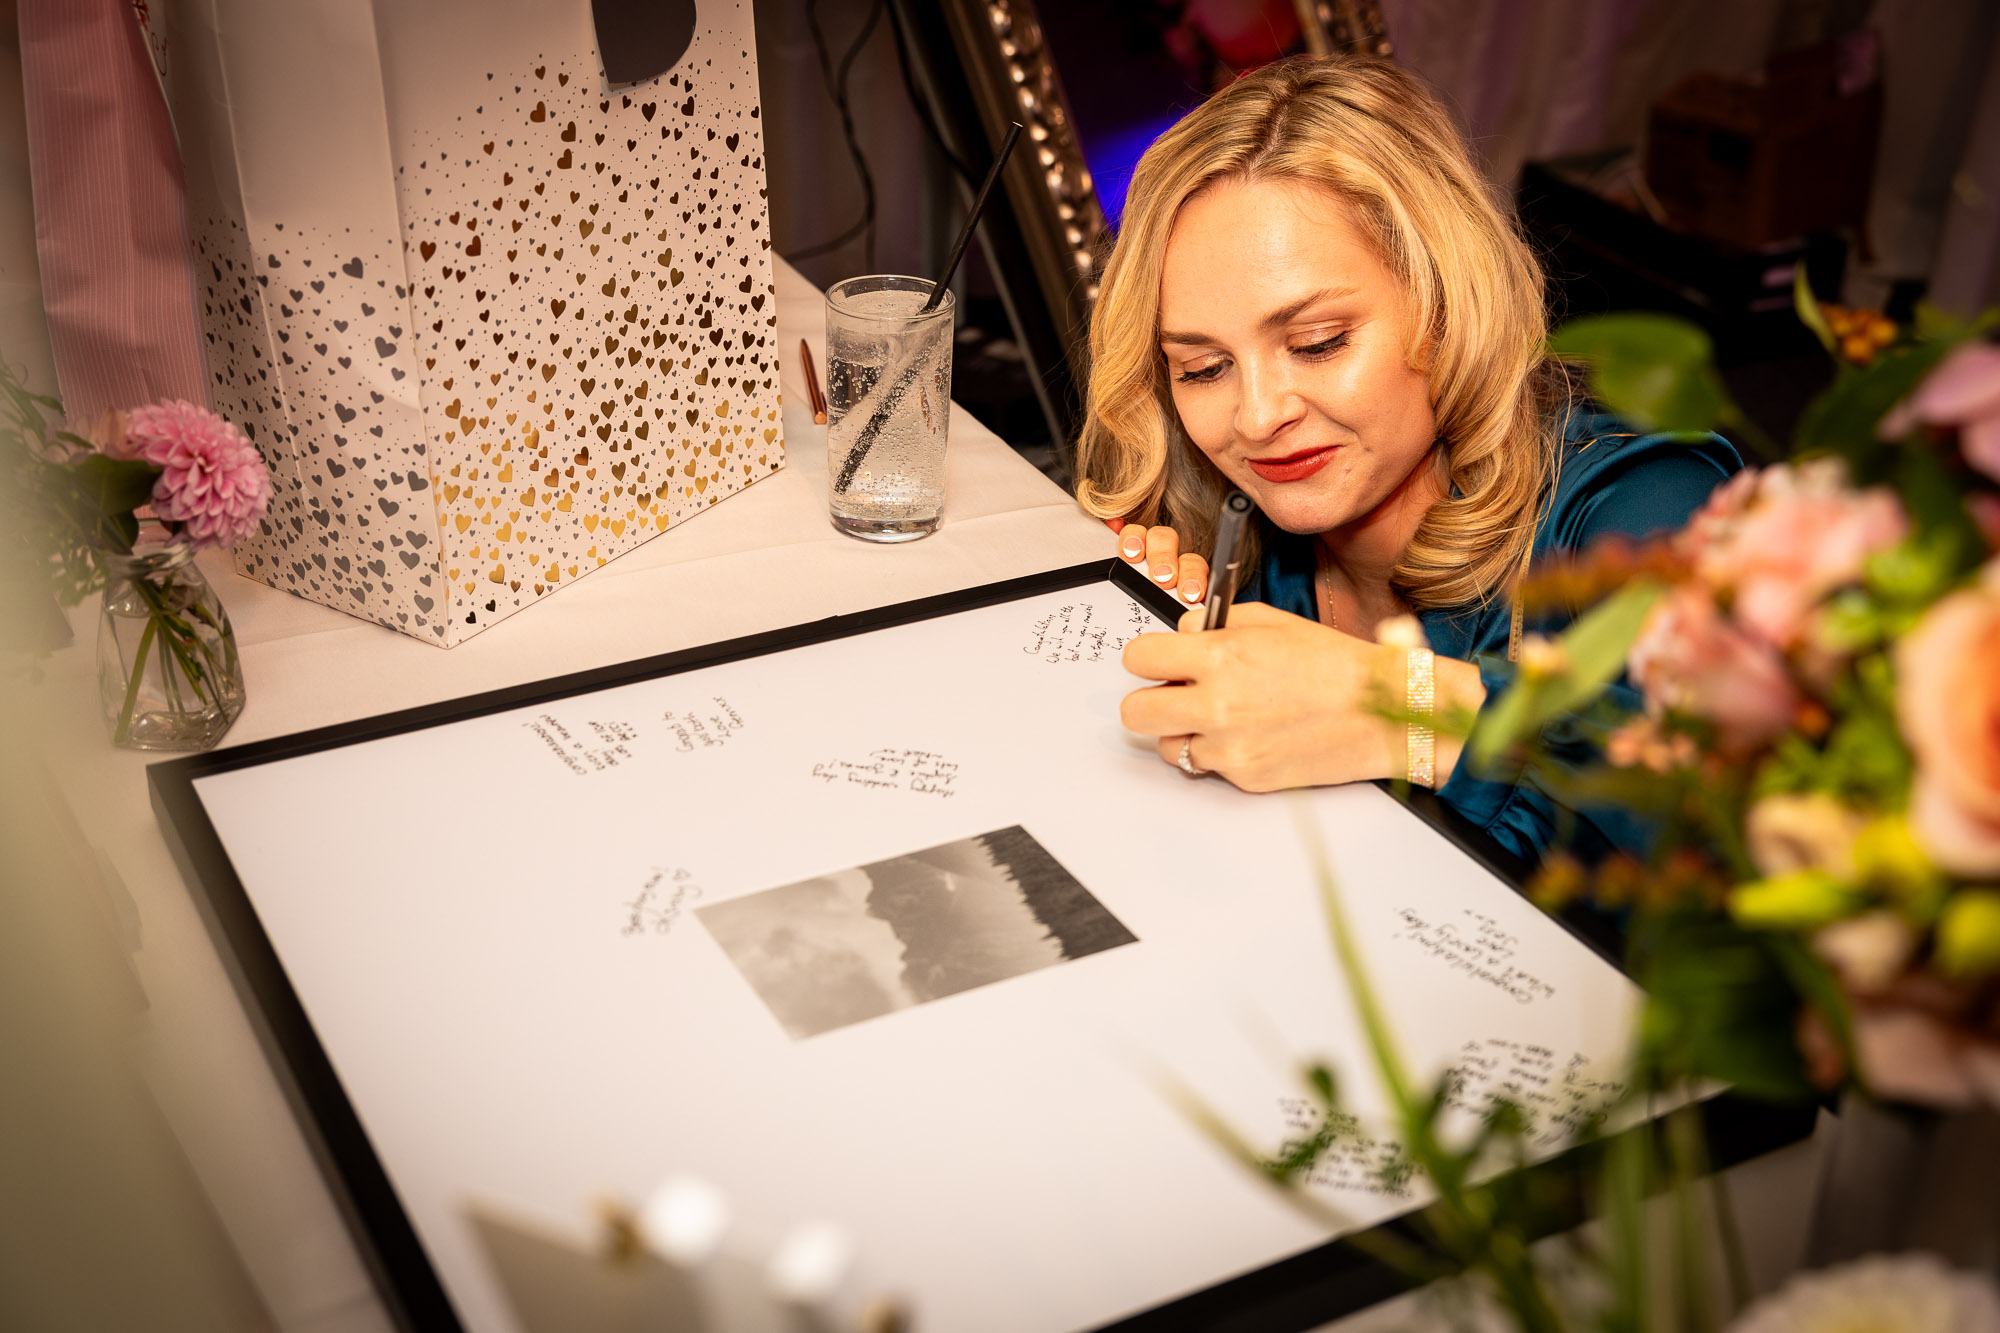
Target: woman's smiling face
[{"x": 1285, "y": 335}]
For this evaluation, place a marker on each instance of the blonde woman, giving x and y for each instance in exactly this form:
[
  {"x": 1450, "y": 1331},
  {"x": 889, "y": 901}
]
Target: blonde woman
[{"x": 1315, "y": 297}]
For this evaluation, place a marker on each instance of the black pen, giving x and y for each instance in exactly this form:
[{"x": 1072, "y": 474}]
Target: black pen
[{"x": 1225, "y": 562}]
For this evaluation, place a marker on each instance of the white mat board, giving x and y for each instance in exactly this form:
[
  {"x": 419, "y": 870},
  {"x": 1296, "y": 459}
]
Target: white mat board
[{"x": 494, "y": 927}]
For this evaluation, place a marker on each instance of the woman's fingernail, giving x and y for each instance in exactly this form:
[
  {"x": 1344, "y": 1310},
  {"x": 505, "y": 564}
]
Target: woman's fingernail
[
  {"x": 1163, "y": 573},
  {"x": 1132, "y": 550},
  {"x": 1191, "y": 591}
]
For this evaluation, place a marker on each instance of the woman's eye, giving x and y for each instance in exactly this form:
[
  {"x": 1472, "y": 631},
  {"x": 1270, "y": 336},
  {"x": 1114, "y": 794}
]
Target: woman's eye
[
  {"x": 1325, "y": 347},
  {"x": 1202, "y": 376}
]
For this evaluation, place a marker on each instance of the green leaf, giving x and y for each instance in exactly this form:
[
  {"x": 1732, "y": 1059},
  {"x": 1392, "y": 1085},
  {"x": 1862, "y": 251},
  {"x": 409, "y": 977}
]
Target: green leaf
[
  {"x": 1809, "y": 312},
  {"x": 1324, "y": 1085},
  {"x": 1720, "y": 1005},
  {"x": 1595, "y": 647},
  {"x": 1850, "y": 622},
  {"x": 1655, "y": 371},
  {"x": 1933, "y": 323},
  {"x": 1843, "y": 419},
  {"x": 116, "y": 485},
  {"x": 1935, "y": 500},
  {"x": 1820, "y": 988},
  {"x": 1914, "y": 570}
]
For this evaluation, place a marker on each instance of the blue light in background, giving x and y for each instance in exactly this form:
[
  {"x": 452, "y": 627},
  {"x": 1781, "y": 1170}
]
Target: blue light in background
[{"x": 1113, "y": 154}]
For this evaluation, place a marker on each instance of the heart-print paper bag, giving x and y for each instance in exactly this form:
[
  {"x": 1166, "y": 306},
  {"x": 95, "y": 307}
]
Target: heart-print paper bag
[{"x": 492, "y": 319}]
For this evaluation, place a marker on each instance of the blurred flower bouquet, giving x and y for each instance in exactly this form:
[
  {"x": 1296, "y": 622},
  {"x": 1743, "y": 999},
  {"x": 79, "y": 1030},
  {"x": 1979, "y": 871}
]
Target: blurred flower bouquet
[
  {"x": 1808, "y": 724},
  {"x": 1818, "y": 655},
  {"x": 168, "y": 671}
]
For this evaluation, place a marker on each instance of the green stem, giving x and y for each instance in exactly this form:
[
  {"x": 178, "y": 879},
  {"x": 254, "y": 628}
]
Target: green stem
[
  {"x": 175, "y": 633},
  {"x": 168, "y": 686},
  {"x": 138, "y": 673},
  {"x": 1685, "y": 1150},
  {"x": 1730, "y": 1234}
]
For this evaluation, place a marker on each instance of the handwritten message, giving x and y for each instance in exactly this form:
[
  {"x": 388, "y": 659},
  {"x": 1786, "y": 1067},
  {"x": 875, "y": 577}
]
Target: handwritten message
[
  {"x": 922, "y": 772},
  {"x": 1346, "y": 1159},
  {"x": 666, "y": 894},
  {"x": 591, "y": 747},
  {"x": 1476, "y": 945},
  {"x": 1559, "y": 1098},
  {"x": 1081, "y": 632},
  {"x": 704, "y": 728}
]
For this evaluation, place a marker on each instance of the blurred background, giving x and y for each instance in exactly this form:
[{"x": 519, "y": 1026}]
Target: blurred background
[{"x": 1678, "y": 155}]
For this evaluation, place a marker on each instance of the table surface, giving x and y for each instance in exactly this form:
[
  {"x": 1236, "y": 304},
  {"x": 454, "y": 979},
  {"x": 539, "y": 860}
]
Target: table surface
[{"x": 763, "y": 559}]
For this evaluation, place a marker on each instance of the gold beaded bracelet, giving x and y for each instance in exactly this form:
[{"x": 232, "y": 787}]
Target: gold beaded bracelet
[{"x": 1420, "y": 696}]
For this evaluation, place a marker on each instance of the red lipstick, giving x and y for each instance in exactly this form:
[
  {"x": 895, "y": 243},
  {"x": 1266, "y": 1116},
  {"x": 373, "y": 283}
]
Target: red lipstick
[{"x": 1293, "y": 467}]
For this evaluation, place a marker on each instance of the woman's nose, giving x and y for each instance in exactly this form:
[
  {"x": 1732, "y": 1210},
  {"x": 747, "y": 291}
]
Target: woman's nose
[{"x": 1269, "y": 403}]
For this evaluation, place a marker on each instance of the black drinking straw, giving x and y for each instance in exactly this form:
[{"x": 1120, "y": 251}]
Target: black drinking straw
[{"x": 893, "y": 399}]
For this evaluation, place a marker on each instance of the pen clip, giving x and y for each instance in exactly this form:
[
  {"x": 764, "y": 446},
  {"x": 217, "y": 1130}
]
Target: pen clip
[{"x": 1225, "y": 560}]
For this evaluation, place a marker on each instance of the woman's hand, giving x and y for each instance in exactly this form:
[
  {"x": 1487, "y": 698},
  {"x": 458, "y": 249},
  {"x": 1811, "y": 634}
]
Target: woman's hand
[
  {"x": 1157, "y": 551},
  {"x": 1276, "y": 700}
]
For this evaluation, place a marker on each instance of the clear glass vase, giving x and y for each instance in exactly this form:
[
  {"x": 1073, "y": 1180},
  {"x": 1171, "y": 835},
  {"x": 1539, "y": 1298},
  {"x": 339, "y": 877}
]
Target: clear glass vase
[{"x": 167, "y": 670}]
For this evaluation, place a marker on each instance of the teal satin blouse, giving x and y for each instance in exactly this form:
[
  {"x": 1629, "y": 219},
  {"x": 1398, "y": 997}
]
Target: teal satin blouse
[{"x": 1610, "y": 482}]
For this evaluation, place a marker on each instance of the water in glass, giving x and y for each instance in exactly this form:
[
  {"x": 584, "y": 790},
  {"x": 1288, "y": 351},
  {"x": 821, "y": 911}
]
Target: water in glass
[{"x": 889, "y": 398}]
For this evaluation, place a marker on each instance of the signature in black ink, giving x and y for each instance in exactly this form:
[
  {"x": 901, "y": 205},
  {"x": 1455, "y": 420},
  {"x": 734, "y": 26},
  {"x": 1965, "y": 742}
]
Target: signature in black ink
[
  {"x": 1479, "y": 948},
  {"x": 612, "y": 748},
  {"x": 1074, "y": 633},
  {"x": 921, "y": 771},
  {"x": 666, "y": 894},
  {"x": 1558, "y": 1102},
  {"x": 704, "y": 728},
  {"x": 1347, "y": 1158}
]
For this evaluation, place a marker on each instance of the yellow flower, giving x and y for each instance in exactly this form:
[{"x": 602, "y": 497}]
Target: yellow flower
[
  {"x": 1800, "y": 900},
  {"x": 1968, "y": 933}
]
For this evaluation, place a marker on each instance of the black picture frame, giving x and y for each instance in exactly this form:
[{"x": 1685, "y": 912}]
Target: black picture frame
[{"x": 1296, "y": 1293}]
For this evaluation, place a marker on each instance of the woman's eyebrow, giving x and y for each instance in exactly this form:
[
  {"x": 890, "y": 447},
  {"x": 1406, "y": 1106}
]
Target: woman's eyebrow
[{"x": 1282, "y": 315}]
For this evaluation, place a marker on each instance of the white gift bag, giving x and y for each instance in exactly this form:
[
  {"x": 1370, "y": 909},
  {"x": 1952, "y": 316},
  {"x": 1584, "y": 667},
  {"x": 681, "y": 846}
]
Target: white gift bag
[{"x": 492, "y": 319}]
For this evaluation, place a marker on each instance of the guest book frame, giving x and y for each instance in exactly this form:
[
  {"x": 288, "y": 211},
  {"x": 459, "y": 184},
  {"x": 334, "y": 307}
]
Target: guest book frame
[{"x": 338, "y": 973}]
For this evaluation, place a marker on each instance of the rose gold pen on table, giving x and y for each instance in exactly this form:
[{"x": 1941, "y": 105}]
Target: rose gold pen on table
[{"x": 812, "y": 384}]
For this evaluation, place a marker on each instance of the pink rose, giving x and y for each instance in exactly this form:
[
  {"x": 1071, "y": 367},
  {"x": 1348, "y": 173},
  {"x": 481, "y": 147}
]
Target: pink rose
[
  {"x": 1964, "y": 391},
  {"x": 1690, "y": 658},
  {"x": 1782, "y": 538},
  {"x": 1948, "y": 705}
]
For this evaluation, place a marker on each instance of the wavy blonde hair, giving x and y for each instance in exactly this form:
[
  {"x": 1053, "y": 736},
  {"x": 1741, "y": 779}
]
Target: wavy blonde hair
[{"x": 1383, "y": 144}]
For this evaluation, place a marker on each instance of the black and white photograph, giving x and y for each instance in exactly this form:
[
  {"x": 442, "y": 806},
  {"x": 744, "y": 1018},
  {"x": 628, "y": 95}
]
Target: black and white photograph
[{"x": 859, "y": 943}]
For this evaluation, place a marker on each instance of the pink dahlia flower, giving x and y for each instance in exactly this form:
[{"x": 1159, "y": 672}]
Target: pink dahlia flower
[
  {"x": 1782, "y": 538},
  {"x": 1691, "y": 658},
  {"x": 1964, "y": 391},
  {"x": 213, "y": 481}
]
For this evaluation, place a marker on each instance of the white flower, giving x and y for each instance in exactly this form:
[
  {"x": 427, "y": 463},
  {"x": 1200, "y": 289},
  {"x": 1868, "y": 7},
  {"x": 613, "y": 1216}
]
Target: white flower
[
  {"x": 1542, "y": 656},
  {"x": 1903, "y": 1293},
  {"x": 1404, "y": 632},
  {"x": 1868, "y": 951}
]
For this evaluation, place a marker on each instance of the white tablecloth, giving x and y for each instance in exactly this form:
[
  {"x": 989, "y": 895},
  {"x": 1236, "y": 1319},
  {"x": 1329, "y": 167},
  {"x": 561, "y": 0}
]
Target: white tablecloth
[{"x": 761, "y": 560}]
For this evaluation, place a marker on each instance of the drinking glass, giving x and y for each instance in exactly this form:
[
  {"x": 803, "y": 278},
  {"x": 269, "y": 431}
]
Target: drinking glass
[{"x": 888, "y": 406}]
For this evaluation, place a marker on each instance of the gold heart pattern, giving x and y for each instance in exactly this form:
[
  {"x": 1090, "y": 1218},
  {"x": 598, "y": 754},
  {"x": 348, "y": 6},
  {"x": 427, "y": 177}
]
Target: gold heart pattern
[{"x": 577, "y": 343}]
